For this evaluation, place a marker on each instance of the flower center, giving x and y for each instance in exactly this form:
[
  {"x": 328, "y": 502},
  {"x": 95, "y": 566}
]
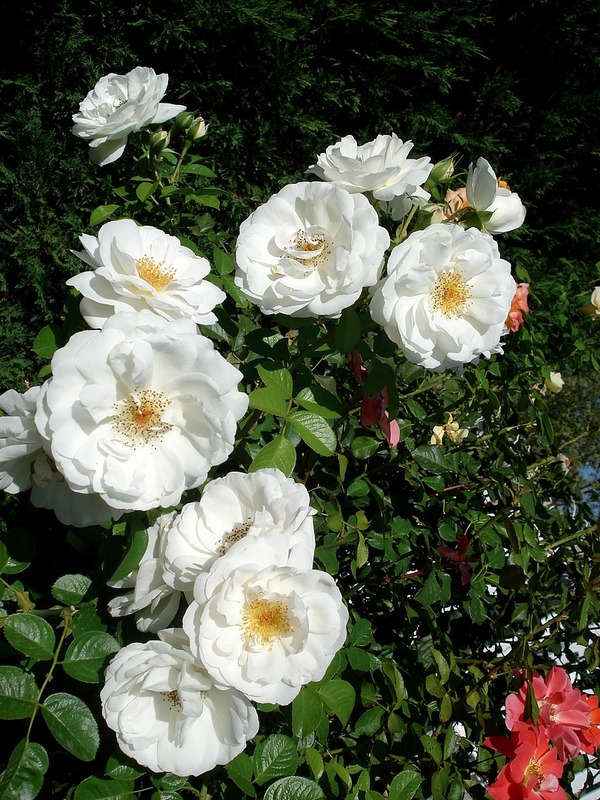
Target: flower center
[
  {"x": 450, "y": 294},
  {"x": 266, "y": 620},
  {"x": 534, "y": 775},
  {"x": 155, "y": 274},
  {"x": 239, "y": 530},
  {"x": 138, "y": 417},
  {"x": 172, "y": 700},
  {"x": 308, "y": 248}
]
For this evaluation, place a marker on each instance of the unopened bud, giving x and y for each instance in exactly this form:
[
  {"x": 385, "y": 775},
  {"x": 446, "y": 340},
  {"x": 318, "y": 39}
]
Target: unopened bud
[
  {"x": 197, "y": 129},
  {"x": 441, "y": 172},
  {"x": 158, "y": 141},
  {"x": 182, "y": 121}
]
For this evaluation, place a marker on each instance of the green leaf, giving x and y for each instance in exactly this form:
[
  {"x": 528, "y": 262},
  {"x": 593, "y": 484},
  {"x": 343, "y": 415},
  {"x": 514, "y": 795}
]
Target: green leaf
[
  {"x": 21, "y": 546},
  {"x": 3, "y": 557},
  {"x": 102, "y": 213},
  {"x": 320, "y": 401},
  {"x": 46, "y": 342},
  {"x": 206, "y": 200},
  {"x": 315, "y": 431},
  {"x": 71, "y": 723},
  {"x": 31, "y": 635},
  {"x": 348, "y": 331},
  {"x": 144, "y": 190},
  {"x": 405, "y": 785},
  {"x": 280, "y": 380},
  {"x": 364, "y": 446},
  {"x": 306, "y": 712},
  {"x": 198, "y": 169},
  {"x": 18, "y": 693},
  {"x": 394, "y": 681},
  {"x": 240, "y": 770},
  {"x": 86, "y": 655},
  {"x": 24, "y": 774},
  {"x": 224, "y": 263},
  {"x": 431, "y": 457},
  {"x": 369, "y": 723},
  {"x": 429, "y": 593},
  {"x": 269, "y": 400},
  {"x": 71, "y": 589},
  {"x": 339, "y": 698},
  {"x": 294, "y": 788},
  {"x": 105, "y": 789},
  {"x": 130, "y": 561},
  {"x": 275, "y": 757},
  {"x": 432, "y": 747},
  {"x": 280, "y": 454}
]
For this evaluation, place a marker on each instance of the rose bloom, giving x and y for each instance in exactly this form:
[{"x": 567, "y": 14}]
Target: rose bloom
[
  {"x": 451, "y": 429},
  {"x": 518, "y": 305},
  {"x": 446, "y": 296},
  {"x": 485, "y": 192},
  {"x": 119, "y": 105},
  {"x": 590, "y": 737},
  {"x": 140, "y": 410},
  {"x": 554, "y": 383},
  {"x": 592, "y": 309},
  {"x": 563, "y": 712},
  {"x": 309, "y": 251},
  {"x": 25, "y": 463},
  {"x": 534, "y": 769},
  {"x": 166, "y": 711},
  {"x": 137, "y": 267},
  {"x": 265, "y": 630},
  {"x": 240, "y": 510},
  {"x": 153, "y": 601},
  {"x": 381, "y": 167}
]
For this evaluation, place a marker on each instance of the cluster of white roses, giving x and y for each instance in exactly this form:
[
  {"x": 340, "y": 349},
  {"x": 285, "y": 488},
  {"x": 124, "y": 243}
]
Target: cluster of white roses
[
  {"x": 141, "y": 406},
  {"x": 313, "y": 248},
  {"x": 259, "y": 623}
]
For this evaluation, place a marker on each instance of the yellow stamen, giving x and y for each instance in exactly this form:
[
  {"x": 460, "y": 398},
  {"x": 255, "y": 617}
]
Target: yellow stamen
[
  {"x": 266, "y": 620},
  {"x": 154, "y": 273},
  {"x": 139, "y": 417},
  {"x": 239, "y": 530},
  {"x": 450, "y": 294}
]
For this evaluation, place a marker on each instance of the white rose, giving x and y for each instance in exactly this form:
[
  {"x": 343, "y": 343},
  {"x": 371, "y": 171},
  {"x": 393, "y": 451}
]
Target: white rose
[
  {"x": 19, "y": 439},
  {"x": 119, "y": 105},
  {"x": 309, "y": 251},
  {"x": 140, "y": 410},
  {"x": 554, "y": 383},
  {"x": 595, "y": 299},
  {"x": 240, "y": 510},
  {"x": 25, "y": 464},
  {"x": 446, "y": 296},
  {"x": 166, "y": 711},
  {"x": 266, "y": 631},
  {"x": 486, "y": 193},
  {"x": 153, "y": 601},
  {"x": 138, "y": 267},
  {"x": 381, "y": 167}
]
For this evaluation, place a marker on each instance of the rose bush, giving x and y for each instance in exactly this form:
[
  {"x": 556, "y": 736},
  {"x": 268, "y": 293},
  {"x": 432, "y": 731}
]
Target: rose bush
[{"x": 318, "y": 540}]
